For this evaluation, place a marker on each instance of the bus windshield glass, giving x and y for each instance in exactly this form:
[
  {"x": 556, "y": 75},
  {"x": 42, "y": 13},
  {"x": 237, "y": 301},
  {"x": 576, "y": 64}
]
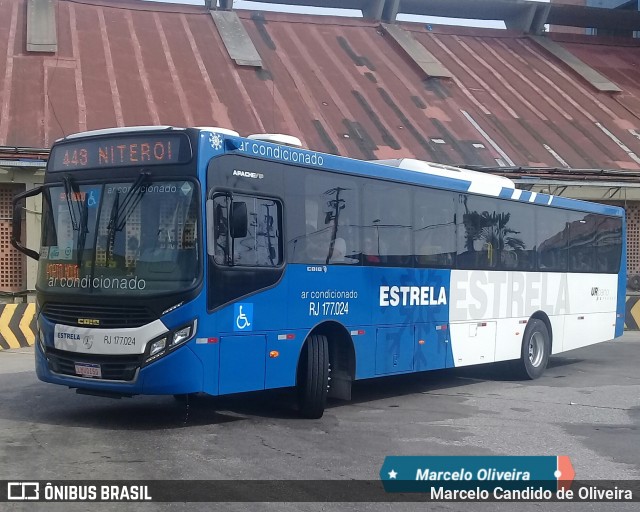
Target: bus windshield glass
[{"x": 124, "y": 238}]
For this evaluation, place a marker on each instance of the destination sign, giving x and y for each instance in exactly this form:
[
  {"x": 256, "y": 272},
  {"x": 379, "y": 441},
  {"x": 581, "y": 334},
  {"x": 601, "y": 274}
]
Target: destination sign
[{"x": 120, "y": 152}]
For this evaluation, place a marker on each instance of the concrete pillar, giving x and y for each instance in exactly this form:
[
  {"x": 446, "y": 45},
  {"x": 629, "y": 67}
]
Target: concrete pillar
[
  {"x": 390, "y": 12},
  {"x": 373, "y": 10}
]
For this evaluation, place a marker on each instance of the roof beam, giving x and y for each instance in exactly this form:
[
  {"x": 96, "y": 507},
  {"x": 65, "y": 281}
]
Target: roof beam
[
  {"x": 41, "y": 26},
  {"x": 596, "y": 79},
  {"x": 236, "y": 40},
  {"x": 425, "y": 60}
]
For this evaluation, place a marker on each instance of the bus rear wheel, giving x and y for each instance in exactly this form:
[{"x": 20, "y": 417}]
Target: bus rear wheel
[
  {"x": 536, "y": 349},
  {"x": 313, "y": 377}
]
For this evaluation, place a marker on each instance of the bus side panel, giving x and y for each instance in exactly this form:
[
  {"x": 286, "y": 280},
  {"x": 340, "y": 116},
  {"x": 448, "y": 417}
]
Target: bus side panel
[
  {"x": 432, "y": 347},
  {"x": 592, "y": 302},
  {"x": 474, "y": 342},
  {"x": 557, "y": 333},
  {"x": 490, "y": 309},
  {"x": 282, "y": 358},
  {"x": 317, "y": 293},
  {"x": 242, "y": 363},
  {"x": 509, "y": 339},
  {"x": 582, "y": 330},
  {"x": 411, "y": 303}
]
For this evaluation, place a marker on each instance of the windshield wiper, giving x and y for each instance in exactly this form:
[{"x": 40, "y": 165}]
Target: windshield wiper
[
  {"x": 83, "y": 230},
  {"x": 131, "y": 201},
  {"x": 111, "y": 227},
  {"x": 71, "y": 190},
  {"x": 120, "y": 213},
  {"x": 74, "y": 196}
]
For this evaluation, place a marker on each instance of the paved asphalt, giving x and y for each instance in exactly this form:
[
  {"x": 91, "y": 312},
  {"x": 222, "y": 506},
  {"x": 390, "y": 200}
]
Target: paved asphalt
[{"x": 587, "y": 406}]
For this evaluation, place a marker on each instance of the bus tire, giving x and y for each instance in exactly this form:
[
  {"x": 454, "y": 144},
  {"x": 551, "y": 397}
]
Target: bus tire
[
  {"x": 313, "y": 377},
  {"x": 536, "y": 349}
]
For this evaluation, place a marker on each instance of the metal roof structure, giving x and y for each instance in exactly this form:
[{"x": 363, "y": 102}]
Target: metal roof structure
[{"x": 346, "y": 86}]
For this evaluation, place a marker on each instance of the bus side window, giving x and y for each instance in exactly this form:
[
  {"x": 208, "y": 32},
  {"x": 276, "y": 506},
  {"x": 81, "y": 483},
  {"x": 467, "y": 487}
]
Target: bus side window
[
  {"x": 332, "y": 212},
  {"x": 434, "y": 228},
  {"x": 480, "y": 233},
  {"x": 517, "y": 225},
  {"x": 582, "y": 242},
  {"x": 608, "y": 244},
  {"x": 387, "y": 221},
  {"x": 262, "y": 245},
  {"x": 552, "y": 235}
]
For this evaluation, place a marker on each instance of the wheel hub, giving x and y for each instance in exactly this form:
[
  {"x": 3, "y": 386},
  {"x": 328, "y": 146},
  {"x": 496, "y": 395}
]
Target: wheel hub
[{"x": 536, "y": 349}]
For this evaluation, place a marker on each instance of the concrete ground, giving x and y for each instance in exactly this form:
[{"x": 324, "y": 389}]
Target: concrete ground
[{"x": 587, "y": 406}]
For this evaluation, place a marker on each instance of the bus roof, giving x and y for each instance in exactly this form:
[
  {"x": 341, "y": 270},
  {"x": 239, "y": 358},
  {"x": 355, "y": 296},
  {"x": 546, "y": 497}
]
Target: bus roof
[
  {"x": 407, "y": 170},
  {"x": 412, "y": 171}
]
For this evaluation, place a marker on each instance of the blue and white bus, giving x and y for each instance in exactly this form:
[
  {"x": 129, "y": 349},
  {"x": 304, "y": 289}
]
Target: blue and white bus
[{"x": 179, "y": 261}]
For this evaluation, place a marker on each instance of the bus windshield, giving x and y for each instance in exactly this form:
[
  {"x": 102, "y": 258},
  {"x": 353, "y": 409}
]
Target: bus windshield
[{"x": 121, "y": 238}]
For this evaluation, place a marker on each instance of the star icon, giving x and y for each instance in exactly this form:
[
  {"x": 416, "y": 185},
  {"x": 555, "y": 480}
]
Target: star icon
[{"x": 393, "y": 474}]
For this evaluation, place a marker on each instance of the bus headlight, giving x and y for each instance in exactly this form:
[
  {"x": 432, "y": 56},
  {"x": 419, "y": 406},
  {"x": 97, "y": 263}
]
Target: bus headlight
[
  {"x": 182, "y": 335},
  {"x": 161, "y": 346},
  {"x": 157, "y": 346}
]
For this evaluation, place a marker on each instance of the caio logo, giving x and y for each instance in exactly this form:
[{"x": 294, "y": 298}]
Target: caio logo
[{"x": 88, "y": 321}]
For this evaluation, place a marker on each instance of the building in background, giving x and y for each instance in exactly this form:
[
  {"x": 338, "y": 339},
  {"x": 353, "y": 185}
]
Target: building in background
[
  {"x": 557, "y": 113},
  {"x": 20, "y": 169},
  {"x": 620, "y": 6}
]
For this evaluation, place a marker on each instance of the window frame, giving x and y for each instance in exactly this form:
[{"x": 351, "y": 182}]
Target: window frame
[{"x": 231, "y": 195}]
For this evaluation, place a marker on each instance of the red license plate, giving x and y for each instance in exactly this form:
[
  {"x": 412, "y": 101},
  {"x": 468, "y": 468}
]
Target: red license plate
[{"x": 89, "y": 370}]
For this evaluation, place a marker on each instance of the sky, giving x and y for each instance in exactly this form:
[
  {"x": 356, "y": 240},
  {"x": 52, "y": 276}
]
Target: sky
[{"x": 434, "y": 20}]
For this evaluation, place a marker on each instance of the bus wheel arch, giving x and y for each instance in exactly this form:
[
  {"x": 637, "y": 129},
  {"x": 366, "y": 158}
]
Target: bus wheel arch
[
  {"x": 341, "y": 363},
  {"x": 541, "y": 315},
  {"x": 535, "y": 349}
]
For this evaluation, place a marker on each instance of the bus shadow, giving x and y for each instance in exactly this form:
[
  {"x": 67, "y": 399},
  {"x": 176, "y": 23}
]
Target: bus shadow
[
  {"x": 138, "y": 414},
  {"x": 44, "y": 404},
  {"x": 281, "y": 404},
  {"x": 503, "y": 371},
  {"x": 402, "y": 385},
  {"x": 28, "y": 401}
]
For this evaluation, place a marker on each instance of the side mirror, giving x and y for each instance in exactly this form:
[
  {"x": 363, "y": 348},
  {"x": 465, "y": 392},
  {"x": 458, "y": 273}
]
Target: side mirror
[
  {"x": 239, "y": 220},
  {"x": 16, "y": 227}
]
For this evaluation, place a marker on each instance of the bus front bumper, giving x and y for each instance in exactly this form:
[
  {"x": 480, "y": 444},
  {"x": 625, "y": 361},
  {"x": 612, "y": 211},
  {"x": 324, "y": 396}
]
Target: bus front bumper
[{"x": 177, "y": 373}]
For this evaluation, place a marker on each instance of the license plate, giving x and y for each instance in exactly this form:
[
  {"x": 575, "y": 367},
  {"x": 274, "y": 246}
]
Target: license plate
[{"x": 88, "y": 370}]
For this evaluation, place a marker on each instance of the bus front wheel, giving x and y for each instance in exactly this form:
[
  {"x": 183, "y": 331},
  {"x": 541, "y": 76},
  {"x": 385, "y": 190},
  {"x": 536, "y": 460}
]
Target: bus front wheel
[
  {"x": 313, "y": 377},
  {"x": 536, "y": 349}
]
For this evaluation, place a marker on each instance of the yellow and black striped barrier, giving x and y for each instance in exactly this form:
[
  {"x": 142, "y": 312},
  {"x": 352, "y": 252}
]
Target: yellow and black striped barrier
[
  {"x": 17, "y": 325},
  {"x": 632, "y": 313}
]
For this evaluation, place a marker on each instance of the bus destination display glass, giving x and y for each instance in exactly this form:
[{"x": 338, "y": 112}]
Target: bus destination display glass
[{"x": 120, "y": 152}]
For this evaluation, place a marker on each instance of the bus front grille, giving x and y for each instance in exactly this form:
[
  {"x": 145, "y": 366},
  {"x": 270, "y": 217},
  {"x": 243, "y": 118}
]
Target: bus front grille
[
  {"x": 121, "y": 368},
  {"x": 105, "y": 317}
]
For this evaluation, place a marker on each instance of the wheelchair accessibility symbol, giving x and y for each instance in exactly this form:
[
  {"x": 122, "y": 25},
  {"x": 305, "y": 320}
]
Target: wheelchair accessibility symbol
[
  {"x": 93, "y": 198},
  {"x": 243, "y": 314}
]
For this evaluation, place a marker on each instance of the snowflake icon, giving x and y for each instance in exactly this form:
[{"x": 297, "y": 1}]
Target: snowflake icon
[{"x": 216, "y": 141}]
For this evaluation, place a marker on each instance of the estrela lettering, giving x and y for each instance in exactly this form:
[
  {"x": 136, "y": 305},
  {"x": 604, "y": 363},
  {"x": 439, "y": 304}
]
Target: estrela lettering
[{"x": 412, "y": 296}]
